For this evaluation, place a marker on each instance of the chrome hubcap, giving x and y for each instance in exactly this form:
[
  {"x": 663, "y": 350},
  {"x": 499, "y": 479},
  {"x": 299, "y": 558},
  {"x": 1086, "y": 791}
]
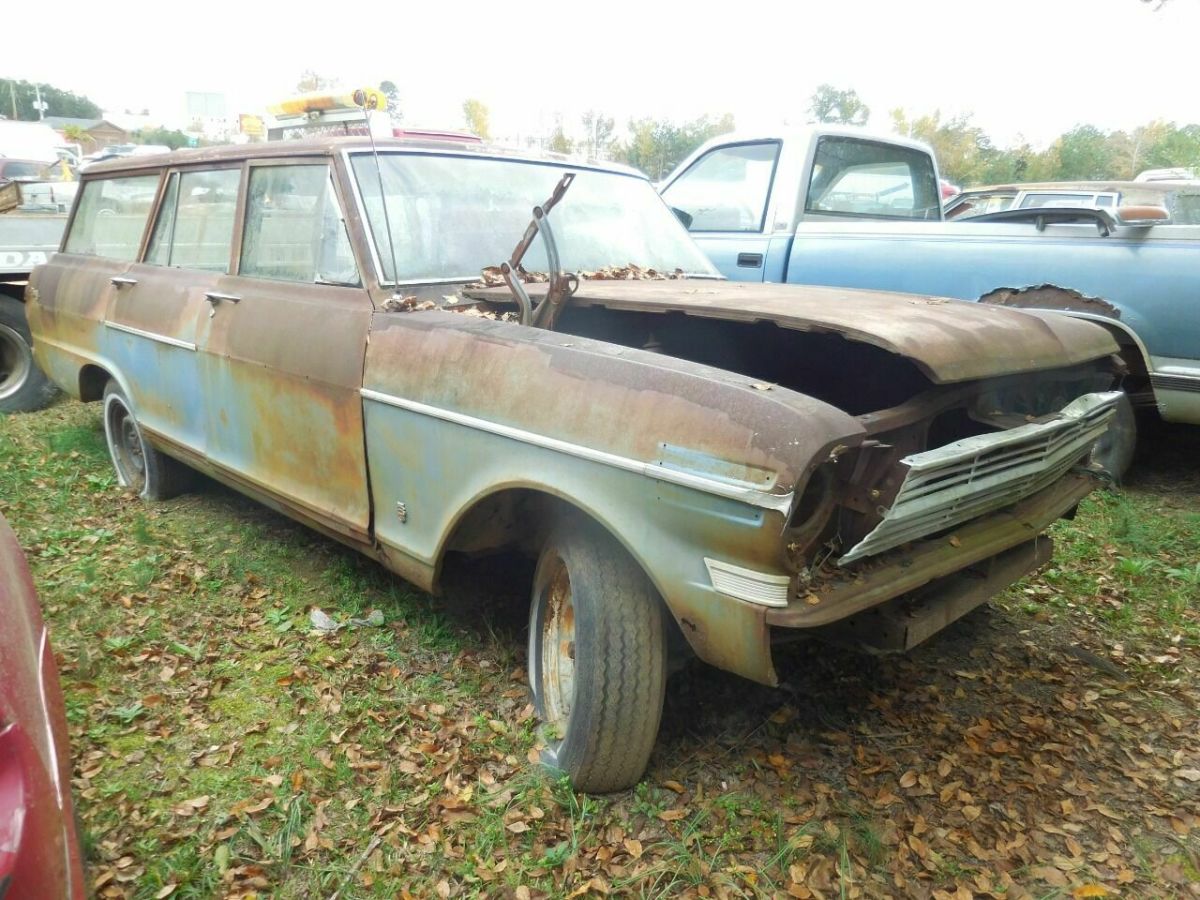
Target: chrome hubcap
[{"x": 16, "y": 361}]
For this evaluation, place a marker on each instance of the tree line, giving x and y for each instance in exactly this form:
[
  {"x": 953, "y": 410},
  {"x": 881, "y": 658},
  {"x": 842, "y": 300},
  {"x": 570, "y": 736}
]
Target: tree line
[{"x": 966, "y": 154}]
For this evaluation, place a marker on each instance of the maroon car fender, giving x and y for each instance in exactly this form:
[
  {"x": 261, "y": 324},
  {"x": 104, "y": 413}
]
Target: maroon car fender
[{"x": 39, "y": 848}]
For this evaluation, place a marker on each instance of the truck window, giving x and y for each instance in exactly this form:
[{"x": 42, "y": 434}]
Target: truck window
[
  {"x": 854, "y": 177},
  {"x": 726, "y": 189},
  {"x": 195, "y": 223},
  {"x": 295, "y": 230},
  {"x": 111, "y": 215}
]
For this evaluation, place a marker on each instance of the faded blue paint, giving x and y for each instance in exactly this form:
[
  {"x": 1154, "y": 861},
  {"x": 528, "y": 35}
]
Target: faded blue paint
[{"x": 1151, "y": 275}]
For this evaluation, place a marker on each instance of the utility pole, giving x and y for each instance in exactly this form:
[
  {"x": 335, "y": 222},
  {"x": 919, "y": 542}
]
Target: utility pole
[
  {"x": 38, "y": 104},
  {"x": 12, "y": 92}
]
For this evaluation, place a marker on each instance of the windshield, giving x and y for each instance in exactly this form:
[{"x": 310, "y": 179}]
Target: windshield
[{"x": 452, "y": 215}]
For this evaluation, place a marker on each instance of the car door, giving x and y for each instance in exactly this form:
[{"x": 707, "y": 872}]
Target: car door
[
  {"x": 722, "y": 200},
  {"x": 283, "y": 358},
  {"x": 159, "y": 310},
  {"x": 104, "y": 238}
]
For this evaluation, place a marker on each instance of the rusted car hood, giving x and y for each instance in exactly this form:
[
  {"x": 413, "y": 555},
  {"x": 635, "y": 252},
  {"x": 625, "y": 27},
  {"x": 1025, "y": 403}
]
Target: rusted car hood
[{"x": 950, "y": 340}]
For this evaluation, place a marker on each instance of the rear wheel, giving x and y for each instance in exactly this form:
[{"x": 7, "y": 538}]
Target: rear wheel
[
  {"x": 597, "y": 658},
  {"x": 150, "y": 474},
  {"x": 23, "y": 386}
]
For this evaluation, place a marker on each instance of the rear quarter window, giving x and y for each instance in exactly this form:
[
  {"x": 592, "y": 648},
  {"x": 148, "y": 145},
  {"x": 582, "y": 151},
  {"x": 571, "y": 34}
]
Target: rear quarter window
[{"x": 110, "y": 216}]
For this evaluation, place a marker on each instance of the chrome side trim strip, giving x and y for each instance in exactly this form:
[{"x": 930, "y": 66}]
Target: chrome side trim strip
[
  {"x": 1175, "y": 382},
  {"x": 780, "y": 502},
  {"x": 150, "y": 335}
]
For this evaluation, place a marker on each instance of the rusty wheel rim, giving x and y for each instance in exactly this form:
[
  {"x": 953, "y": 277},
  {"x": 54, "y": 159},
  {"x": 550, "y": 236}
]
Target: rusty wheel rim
[
  {"x": 125, "y": 445},
  {"x": 558, "y": 652},
  {"x": 15, "y": 361}
]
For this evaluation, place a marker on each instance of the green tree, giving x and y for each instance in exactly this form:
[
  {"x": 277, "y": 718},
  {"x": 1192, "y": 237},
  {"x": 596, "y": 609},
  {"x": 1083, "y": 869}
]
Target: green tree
[
  {"x": 1084, "y": 153},
  {"x": 166, "y": 136},
  {"x": 1176, "y": 147},
  {"x": 964, "y": 152},
  {"x": 598, "y": 131},
  {"x": 393, "y": 101},
  {"x": 830, "y": 105},
  {"x": 559, "y": 142},
  {"x": 477, "y": 115},
  {"x": 17, "y": 100},
  {"x": 656, "y": 146},
  {"x": 74, "y": 134}
]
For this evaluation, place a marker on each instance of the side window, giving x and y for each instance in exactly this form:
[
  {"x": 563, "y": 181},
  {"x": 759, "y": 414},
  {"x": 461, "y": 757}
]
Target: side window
[
  {"x": 1037, "y": 201},
  {"x": 295, "y": 230},
  {"x": 195, "y": 223},
  {"x": 853, "y": 177},
  {"x": 727, "y": 188},
  {"x": 111, "y": 215}
]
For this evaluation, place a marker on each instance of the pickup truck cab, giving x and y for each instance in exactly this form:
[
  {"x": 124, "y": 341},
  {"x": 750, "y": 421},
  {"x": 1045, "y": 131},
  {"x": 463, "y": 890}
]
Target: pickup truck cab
[
  {"x": 692, "y": 463},
  {"x": 745, "y": 197},
  {"x": 842, "y": 208}
]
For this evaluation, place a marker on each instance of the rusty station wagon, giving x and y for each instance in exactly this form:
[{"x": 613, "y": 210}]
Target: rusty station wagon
[{"x": 693, "y": 463}]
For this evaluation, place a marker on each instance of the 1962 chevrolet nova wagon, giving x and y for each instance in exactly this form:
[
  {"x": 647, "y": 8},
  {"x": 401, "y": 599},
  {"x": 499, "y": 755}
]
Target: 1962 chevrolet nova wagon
[{"x": 692, "y": 462}]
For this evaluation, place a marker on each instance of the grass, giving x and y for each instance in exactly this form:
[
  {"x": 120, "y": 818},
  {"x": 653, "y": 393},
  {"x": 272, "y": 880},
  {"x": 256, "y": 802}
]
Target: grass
[{"x": 221, "y": 747}]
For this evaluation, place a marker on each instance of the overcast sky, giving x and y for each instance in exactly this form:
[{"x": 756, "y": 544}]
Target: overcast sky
[{"x": 1023, "y": 67}]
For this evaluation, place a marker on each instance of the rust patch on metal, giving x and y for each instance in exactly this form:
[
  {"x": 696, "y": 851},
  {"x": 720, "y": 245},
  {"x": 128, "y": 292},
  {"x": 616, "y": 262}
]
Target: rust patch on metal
[{"x": 1051, "y": 296}]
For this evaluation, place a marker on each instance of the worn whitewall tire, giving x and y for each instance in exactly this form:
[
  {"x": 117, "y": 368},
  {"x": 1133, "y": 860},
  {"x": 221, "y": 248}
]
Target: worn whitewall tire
[
  {"x": 597, "y": 658},
  {"x": 150, "y": 474}
]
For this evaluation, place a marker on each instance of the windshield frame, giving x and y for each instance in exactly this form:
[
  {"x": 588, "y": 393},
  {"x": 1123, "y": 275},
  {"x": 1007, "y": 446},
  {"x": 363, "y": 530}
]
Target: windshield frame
[{"x": 515, "y": 158}]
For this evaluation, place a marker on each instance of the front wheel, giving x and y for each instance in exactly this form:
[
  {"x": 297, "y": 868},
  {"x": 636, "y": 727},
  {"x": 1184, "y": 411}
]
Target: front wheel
[
  {"x": 597, "y": 658},
  {"x": 1113, "y": 450},
  {"x": 150, "y": 474}
]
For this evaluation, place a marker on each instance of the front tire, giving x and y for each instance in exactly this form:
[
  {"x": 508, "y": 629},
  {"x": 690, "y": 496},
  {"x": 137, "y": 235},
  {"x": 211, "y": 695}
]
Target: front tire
[
  {"x": 23, "y": 386},
  {"x": 150, "y": 474},
  {"x": 597, "y": 658},
  {"x": 1114, "y": 449}
]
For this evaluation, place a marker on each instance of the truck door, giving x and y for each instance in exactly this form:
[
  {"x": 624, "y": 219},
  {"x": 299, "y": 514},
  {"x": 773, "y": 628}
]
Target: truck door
[{"x": 722, "y": 199}]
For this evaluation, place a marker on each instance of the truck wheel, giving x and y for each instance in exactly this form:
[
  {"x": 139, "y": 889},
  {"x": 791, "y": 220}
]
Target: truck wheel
[
  {"x": 147, "y": 472},
  {"x": 597, "y": 658},
  {"x": 23, "y": 386},
  {"x": 1114, "y": 449}
]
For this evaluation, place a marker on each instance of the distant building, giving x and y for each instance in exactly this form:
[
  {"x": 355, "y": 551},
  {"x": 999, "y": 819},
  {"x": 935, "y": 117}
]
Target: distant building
[
  {"x": 208, "y": 115},
  {"x": 102, "y": 132}
]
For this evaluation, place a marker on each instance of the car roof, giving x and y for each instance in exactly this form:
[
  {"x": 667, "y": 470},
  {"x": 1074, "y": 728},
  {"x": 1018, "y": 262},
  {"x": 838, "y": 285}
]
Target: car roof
[{"x": 332, "y": 146}]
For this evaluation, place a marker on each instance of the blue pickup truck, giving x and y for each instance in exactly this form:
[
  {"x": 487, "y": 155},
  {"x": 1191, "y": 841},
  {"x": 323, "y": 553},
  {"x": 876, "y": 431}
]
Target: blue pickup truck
[{"x": 837, "y": 206}]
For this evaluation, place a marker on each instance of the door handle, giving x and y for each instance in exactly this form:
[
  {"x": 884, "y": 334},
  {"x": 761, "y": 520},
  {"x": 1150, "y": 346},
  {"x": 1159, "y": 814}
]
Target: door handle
[
  {"x": 121, "y": 281},
  {"x": 750, "y": 260},
  {"x": 215, "y": 297}
]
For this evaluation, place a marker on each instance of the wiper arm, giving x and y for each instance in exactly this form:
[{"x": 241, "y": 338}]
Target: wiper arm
[{"x": 561, "y": 285}]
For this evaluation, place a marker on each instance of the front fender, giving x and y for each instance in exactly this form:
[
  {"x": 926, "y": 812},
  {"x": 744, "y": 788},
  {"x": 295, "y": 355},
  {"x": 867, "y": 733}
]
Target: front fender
[{"x": 678, "y": 461}]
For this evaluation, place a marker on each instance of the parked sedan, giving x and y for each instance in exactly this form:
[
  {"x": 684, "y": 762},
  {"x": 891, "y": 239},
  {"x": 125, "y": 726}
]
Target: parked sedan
[
  {"x": 39, "y": 848},
  {"x": 692, "y": 463}
]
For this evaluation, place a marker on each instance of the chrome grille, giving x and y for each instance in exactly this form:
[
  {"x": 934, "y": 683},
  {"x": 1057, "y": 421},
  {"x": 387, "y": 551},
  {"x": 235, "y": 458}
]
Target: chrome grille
[{"x": 977, "y": 475}]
